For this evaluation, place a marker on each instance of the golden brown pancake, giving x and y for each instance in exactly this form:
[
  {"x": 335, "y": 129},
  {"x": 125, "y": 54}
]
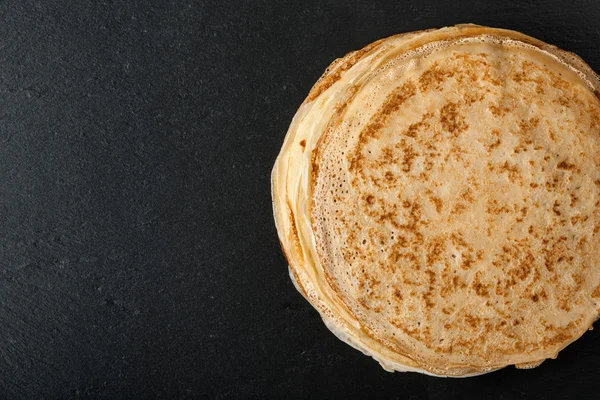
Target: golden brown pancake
[{"x": 437, "y": 197}]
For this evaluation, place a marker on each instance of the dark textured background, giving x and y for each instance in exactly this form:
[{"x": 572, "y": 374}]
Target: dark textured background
[{"x": 138, "y": 256}]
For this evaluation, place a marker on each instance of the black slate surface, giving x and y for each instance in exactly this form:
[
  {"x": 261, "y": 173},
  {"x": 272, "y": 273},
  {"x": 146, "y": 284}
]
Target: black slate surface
[{"x": 138, "y": 257}]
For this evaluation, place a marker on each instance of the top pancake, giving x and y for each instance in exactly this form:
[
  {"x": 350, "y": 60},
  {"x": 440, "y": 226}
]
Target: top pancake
[{"x": 437, "y": 197}]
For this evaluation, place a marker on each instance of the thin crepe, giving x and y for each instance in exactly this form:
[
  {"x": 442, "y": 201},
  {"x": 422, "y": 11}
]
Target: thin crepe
[{"x": 437, "y": 198}]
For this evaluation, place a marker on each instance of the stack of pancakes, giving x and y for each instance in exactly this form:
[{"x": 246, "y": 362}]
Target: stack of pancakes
[{"x": 437, "y": 197}]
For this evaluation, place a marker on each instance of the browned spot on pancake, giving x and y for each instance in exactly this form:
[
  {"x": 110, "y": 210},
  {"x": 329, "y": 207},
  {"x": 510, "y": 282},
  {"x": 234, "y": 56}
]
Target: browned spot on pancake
[
  {"x": 398, "y": 294},
  {"x": 504, "y": 286},
  {"x": 499, "y": 110},
  {"x": 562, "y": 100},
  {"x": 524, "y": 268},
  {"x": 427, "y": 295},
  {"x": 413, "y": 129},
  {"x": 434, "y": 78},
  {"x": 458, "y": 209},
  {"x": 559, "y": 338},
  {"x": 497, "y": 141},
  {"x": 435, "y": 250},
  {"x": 373, "y": 129},
  {"x": 480, "y": 288},
  {"x": 526, "y": 126},
  {"x": 566, "y": 166},
  {"x": 303, "y": 144},
  {"x": 512, "y": 170},
  {"x": 553, "y": 254},
  {"x": 409, "y": 156},
  {"x": 389, "y": 216},
  {"x": 467, "y": 195},
  {"x": 437, "y": 201},
  {"x": 390, "y": 106},
  {"x": 294, "y": 232},
  {"x": 472, "y": 321},
  {"x": 574, "y": 199},
  {"x": 467, "y": 261},
  {"x": 527, "y": 75},
  {"x": 556, "y": 208},
  {"x": 524, "y": 144},
  {"x": 582, "y": 244},
  {"x": 452, "y": 121}
]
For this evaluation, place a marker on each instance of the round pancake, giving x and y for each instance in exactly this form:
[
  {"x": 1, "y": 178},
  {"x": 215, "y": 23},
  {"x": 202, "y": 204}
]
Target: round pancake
[{"x": 437, "y": 197}]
